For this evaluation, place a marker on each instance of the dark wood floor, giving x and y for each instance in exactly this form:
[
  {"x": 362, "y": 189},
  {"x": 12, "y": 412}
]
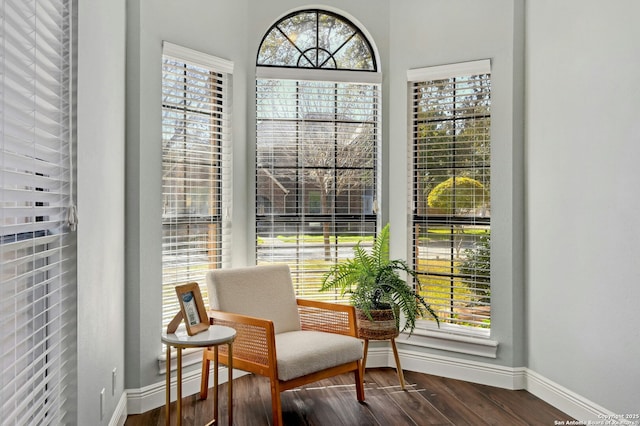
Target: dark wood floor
[{"x": 428, "y": 400}]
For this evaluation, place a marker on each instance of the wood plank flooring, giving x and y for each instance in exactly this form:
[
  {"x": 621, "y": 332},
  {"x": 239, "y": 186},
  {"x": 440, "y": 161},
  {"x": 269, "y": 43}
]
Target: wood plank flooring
[{"x": 428, "y": 400}]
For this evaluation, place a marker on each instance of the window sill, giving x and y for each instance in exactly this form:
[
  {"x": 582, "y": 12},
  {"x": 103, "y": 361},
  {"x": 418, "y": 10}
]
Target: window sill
[
  {"x": 190, "y": 356},
  {"x": 451, "y": 338}
]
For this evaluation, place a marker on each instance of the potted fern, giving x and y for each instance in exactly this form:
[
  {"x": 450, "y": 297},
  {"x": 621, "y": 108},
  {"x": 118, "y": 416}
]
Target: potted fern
[{"x": 378, "y": 292}]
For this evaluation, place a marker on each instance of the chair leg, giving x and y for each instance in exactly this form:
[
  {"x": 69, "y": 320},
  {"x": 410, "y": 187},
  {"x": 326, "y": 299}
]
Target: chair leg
[
  {"x": 276, "y": 403},
  {"x": 364, "y": 358},
  {"x": 398, "y": 367},
  {"x": 204, "y": 381},
  {"x": 359, "y": 376}
]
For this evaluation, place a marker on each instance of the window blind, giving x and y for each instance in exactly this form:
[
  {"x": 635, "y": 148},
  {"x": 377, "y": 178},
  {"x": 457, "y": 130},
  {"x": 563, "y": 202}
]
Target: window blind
[
  {"x": 196, "y": 169},
  {"x": 316, "y": 175},
  {"x": 37, "y": 253},
  {"x": 451, "y": 186}
]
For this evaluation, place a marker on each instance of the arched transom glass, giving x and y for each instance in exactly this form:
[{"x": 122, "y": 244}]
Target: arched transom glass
[{"x": 316, "y": 39}]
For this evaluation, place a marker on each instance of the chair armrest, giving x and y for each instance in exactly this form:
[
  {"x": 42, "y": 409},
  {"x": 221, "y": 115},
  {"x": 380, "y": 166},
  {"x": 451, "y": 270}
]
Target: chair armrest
[
  {"x": 255, "y": 338},
  {"x": 327, "y": 317}
]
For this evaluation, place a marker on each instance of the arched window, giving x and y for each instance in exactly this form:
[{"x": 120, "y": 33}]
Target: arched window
[
  {"x": 316, "y": 39},
  {"x": 318, "y": 136}
]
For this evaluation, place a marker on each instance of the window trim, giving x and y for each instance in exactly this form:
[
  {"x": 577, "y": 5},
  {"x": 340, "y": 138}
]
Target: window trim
[
  {"x": 314, "y": 74},
  {"x": 196, "y": 58},
  {"x": 439, "y": 72},
  {"x": 451, "y": 338}
]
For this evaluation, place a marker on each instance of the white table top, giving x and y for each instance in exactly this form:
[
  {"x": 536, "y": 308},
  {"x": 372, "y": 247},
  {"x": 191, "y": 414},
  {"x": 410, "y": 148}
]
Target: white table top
[{"x": 214, "y": 335}]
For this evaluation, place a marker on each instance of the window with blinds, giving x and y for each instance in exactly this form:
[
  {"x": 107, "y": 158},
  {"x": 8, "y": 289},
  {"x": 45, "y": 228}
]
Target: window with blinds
[
  {"x": 37, "y": 251},
  {"x": 196, "y": 169},
  {"x": 316, "y": 175},
  {"x": 451, "y": 189},
  {"x": 318, "y": 132}
]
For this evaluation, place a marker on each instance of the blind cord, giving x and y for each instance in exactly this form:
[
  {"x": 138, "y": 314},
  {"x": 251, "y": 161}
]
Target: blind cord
[{"x": 72, "y": 210}]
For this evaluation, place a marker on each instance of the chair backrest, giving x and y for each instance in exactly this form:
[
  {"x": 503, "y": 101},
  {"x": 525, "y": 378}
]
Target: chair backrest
[{"x": 258, "y": 291}]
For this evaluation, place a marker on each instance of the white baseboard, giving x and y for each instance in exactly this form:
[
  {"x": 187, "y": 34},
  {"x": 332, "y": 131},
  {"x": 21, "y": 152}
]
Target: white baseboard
[
  {"x": 120, "y": 414},
  {"x": 461, "y": 369},
  {"x": 567, "y": 401},
  {"x": 574, "y": 405},
  {"x": 153, "y": 396}
]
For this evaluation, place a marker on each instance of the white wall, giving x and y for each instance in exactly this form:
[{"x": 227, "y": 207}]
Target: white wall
[
  {"x": 442, "y": 32},
  {"x": 100, "y": 154},
  {"x": 582, "y": 156},
  {"x": 218, "y": 28}
]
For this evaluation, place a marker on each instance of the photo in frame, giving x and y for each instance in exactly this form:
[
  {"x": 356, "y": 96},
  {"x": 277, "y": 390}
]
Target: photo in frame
[{"x": 192, "y": 308}]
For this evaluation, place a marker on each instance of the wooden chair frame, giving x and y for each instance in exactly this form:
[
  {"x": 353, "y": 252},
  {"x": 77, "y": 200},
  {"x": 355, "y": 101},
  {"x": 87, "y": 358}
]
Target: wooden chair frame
[{"x": 254, "y": 349}]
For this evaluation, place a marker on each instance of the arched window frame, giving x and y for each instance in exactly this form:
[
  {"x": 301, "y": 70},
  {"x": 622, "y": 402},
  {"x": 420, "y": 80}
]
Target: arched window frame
[
  {"x": 279, "y": 219},
  {"x": 330, "y": 55}
]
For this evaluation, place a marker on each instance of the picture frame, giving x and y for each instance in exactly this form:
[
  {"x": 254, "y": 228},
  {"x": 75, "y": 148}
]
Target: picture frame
[{"x": 192, "y": 309}]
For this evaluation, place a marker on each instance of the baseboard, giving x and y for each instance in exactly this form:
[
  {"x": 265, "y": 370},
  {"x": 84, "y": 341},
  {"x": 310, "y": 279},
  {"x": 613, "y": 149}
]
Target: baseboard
[
  {"x": 120, "y": 414},
  {"x": 461, "y": 369},
  {"x": 565, "y": 400},
  {"x": 135, "y": 401},
  {"x": 569, "y": 402},
  {"x": 153, "y": 396}
]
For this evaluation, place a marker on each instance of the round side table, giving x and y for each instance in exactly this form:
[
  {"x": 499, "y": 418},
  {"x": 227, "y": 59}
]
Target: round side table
[{"x": 214, "y": 336}]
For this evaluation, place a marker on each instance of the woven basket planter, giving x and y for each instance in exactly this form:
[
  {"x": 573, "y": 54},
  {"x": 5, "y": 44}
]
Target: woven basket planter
[{"x": 383, "y": 326}]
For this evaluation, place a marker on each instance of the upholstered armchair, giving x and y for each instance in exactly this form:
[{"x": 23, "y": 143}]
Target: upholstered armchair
[{"x": 291, "y": 341}]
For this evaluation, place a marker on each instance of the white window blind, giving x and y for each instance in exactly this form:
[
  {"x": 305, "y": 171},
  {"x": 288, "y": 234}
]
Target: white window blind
[
  {"x": 316, "y": 175},
  {"x": 451, "y": 185},
  {"x": 37, "y": 253},
  {"x": 196, "y": 169}
]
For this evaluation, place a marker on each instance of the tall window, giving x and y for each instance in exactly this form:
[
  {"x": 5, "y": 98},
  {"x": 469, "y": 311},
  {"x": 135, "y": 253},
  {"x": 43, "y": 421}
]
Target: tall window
[
  {"x": 451, "y": 187},
  {"x": 317, "y": 145},
  {"x": 37, "y": 251},
  {"x": 196, "y": 169}
]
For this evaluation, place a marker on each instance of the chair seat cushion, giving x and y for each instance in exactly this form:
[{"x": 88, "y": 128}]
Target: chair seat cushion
[{"x": 304, "y": 352}]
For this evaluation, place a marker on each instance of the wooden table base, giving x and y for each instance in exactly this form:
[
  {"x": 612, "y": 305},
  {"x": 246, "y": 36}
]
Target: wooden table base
[
  {"x": 214, "y": 336},
  {"x": 215, "y": 387},
  {"x": 395, "y": 355}
]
